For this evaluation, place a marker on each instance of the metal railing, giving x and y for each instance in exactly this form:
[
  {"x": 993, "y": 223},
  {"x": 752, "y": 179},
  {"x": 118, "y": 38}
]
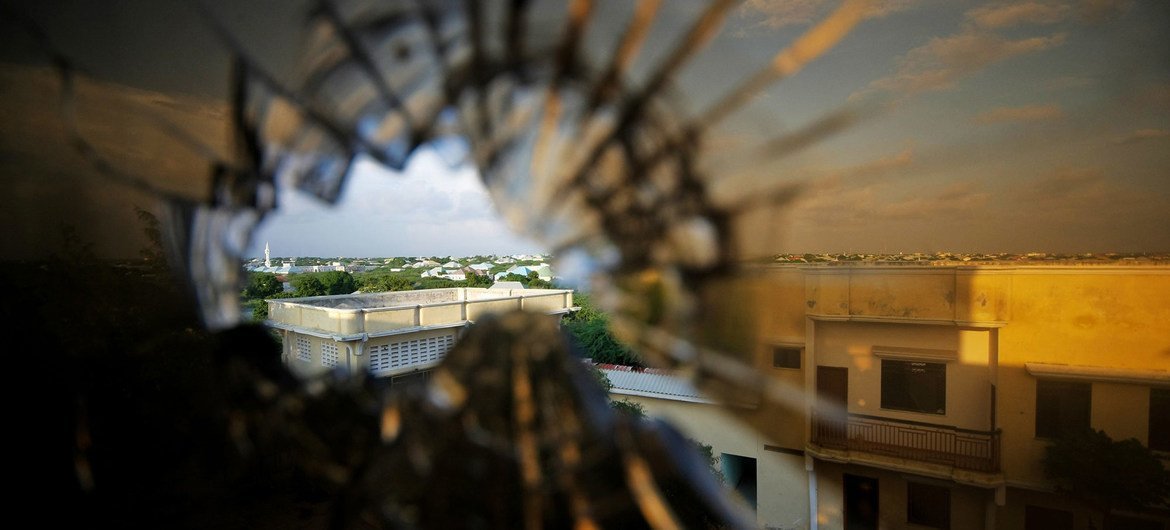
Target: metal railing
[{"x": 937, "y": 444}]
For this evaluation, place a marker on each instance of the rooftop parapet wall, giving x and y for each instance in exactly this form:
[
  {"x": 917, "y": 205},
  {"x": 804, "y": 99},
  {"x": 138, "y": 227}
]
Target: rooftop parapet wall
[
  {"x": 970, "y": 295},
  {"x": 389, "y": 312},
  {"x": 976, "y": 295}
]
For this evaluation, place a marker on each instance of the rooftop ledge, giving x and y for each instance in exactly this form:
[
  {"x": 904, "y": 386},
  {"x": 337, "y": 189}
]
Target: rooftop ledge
[
  {"x": 1099, "y": 373},
  {"x": 423, "y": 298}
]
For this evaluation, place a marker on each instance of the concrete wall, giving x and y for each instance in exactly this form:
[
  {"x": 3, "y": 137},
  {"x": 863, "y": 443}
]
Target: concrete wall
[{"x": 965, "y": 353}]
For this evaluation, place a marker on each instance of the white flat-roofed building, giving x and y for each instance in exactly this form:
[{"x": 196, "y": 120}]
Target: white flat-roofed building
[{"x": 393, "y": 333}]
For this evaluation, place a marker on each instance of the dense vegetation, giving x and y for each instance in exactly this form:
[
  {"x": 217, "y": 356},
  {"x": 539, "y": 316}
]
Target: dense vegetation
[{"x": 589, "y": 329}]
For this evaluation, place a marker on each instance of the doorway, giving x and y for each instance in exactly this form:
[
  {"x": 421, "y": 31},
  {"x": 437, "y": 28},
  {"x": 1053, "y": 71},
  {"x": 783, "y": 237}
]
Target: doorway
[{"x": 861, "y": 503}]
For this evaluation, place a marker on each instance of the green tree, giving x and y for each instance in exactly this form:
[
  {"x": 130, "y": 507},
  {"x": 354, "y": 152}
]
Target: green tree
[
  {"x": 708, "y": 454},
  {"x": 338, "y": 282},
  {"x": 478, "y": 280},
  {"x": 435, "y": 283},
  {"x": 600, "y": 345},
  {"x": 377, "y": 284},
  {"x": 632, "y": 408},
  {"x": 259, "y": 309},
  {"x": 308, "y": 285},
  {"x": 513, "y": 277},
  {"x": 1107, "y": 474},
  {"x": 262, "y": 285},
  {"x": 589, "y": 328},
  {"x": 533, "y": 281}
]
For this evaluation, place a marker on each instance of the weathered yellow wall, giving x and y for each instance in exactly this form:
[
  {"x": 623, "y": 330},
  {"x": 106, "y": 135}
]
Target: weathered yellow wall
[
  {"x": 1088, "y": 316},
  {"x": 851, "y": 345},
  {"x": 390, "y": 319}
]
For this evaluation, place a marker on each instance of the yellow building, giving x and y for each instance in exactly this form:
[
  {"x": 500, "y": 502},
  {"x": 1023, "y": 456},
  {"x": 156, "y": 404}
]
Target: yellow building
[
  {"x": 396, "y": 335},
  {"x": 930, "y": 392}
]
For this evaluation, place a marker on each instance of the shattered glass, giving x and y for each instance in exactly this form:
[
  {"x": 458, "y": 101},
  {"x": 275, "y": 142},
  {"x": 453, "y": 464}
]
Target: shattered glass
[{"x": 597, "y": 131}]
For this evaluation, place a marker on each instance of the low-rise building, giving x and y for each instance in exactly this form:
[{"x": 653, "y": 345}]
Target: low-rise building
[
  {"x": 925, "y": 396},
  {"x": 392, "y": 334}
]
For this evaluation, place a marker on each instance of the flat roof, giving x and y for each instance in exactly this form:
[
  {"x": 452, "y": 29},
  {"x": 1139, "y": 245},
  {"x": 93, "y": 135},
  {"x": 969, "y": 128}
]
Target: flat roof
[{"x": 421, "y": 297}]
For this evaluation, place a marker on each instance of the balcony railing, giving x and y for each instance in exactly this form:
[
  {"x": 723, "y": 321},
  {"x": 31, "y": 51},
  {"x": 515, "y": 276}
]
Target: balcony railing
[{"x": 936, "y": 444}]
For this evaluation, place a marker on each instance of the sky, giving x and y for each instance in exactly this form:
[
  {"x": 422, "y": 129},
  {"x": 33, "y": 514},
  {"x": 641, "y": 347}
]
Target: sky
[
  {"x": 1001, "y": 127},
  {"x": 1037, "y": 125},
  {"x": 435, "y": 207}
]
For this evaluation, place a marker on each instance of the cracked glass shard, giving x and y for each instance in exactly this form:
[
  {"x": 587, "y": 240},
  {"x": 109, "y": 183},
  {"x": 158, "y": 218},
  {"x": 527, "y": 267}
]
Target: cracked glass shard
[{"x": 595, "y": 132}]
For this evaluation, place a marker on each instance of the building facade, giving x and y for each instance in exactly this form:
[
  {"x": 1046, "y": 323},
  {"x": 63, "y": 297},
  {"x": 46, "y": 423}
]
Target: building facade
[
  {"x": 931, "y": 392},
  {"x": 400, "y": 334}
]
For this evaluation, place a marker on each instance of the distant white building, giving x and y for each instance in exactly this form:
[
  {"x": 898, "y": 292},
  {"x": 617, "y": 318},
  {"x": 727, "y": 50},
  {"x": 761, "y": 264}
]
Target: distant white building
[{"x": 392, "y": 335}]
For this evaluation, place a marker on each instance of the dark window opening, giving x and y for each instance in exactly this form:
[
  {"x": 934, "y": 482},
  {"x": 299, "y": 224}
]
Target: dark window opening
[
  {"x": 1062, "y": 407},
  {"x": 928, "y": 505},
  {"x": 739, "y": 472},
  {"x": 1121, "y": 522},
  {"x": 1159, "y": 435},
  {"x": 786, "y": 357},
  {"x": 861, "y": 503},
  {"x": 914, "y": 386},
  {"x": 1037, "y": 518}
]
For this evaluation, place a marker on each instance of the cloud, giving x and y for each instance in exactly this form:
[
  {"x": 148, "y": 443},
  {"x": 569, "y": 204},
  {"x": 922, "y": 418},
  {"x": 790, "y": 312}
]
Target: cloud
[
  {"x": 839, "y": 203},
  {"x": 1064, "y": 185},
  {"x": 938, "y": 64},
  {"x": 1078, "y": 197},
  {"x": 1068, "y": 82},
  {"x": 428, "y": 208},
  {"x": 1019, "y": 114},
  {"x": 1142, "y": 135},
  {"x": 1014, "y": 14},
  {"x": 1098, "y": 11},
  {"x": 782, "y": 13}
]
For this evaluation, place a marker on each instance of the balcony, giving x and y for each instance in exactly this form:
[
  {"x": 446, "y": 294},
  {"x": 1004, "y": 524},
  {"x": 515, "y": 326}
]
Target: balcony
[{"x": 936, "y": 444}]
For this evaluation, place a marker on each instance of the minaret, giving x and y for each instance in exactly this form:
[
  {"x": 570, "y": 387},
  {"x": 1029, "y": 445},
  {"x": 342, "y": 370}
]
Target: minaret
[{"x": 267, "y": 257}]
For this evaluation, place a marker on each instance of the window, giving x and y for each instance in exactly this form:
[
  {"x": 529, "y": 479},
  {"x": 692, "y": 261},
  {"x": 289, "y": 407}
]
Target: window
[
  {"x": 928, "y": 505},
  {"x": 304, "y": 350},
  {"x": 1159, "y": 436},
  {"x": 1061, "y": 406},
  {"x": 914, "y": 386},
  {"x": 329, "y": 354},
  {"x": 739, "y": 472},
  {"x": 786, "y": 357},
  {"x": 389, "y": 357},
  {"x": 1037, "y": 518},
  {"x": 861, "y": 502}
]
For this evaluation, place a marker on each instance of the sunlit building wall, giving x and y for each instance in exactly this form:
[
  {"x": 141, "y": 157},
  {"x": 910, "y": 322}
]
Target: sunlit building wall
[{"x": 924, "y": 396}]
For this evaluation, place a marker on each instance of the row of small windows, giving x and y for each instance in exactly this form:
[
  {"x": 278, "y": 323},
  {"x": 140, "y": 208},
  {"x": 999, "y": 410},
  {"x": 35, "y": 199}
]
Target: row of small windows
[{"x": 384, "y": 357}]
